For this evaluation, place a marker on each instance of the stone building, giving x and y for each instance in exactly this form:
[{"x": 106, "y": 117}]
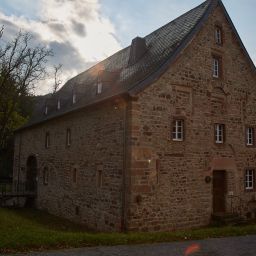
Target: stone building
[{"x": 159, "y": 136}]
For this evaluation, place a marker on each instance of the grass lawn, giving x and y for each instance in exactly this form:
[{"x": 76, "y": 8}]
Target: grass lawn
[{"x": 26, "y": 229}]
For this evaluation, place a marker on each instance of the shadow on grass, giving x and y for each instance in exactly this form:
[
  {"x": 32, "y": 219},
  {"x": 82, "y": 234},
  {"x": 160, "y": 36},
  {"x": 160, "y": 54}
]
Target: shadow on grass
[{"x": 46, "y": 220}]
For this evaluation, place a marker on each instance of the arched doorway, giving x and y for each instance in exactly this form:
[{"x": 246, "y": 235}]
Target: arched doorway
[{"x": 31, "y": 177}]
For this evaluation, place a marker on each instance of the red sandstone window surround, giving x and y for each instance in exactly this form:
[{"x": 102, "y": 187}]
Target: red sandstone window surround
[
  {"x": 249, "y": 179},
  {"x": 219, "y": 132},
  {"x": 178, "y": 130}
]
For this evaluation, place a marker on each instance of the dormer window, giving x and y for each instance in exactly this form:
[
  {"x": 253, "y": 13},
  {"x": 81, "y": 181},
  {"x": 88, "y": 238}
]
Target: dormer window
[
  {"x": 74, "y": 98},
  {"x": 58, "y": 105},
  {"x": 46, "y": 110},
  {"x": 99, "y": 87},
  {"x": 218, "y": 35}
]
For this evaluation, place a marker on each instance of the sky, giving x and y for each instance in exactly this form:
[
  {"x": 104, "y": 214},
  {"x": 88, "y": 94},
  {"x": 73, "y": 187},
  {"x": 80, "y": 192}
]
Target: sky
[{"x": 83, "y": 32}]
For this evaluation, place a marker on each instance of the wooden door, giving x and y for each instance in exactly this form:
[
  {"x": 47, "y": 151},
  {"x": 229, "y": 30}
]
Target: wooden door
[{"x": 219, "y": 191}]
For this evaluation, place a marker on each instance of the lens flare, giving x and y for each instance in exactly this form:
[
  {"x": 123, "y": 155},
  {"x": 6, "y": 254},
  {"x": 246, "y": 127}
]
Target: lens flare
[{"x": 192, "y": 249}]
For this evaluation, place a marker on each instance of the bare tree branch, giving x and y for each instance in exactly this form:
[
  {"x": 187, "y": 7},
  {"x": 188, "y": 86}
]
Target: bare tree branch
[
  {"x": 57, "y": 80},
  {"x": 21, "y": 66}
]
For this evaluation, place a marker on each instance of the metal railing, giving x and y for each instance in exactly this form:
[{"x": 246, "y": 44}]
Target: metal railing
[{"x": 17, "y": 189}]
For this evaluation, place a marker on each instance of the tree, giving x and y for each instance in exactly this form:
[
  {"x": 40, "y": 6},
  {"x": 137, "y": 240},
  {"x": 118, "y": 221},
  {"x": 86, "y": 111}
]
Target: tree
[
  {"x": 57, "y": 80},
  {"x": 21, "y": 67}
]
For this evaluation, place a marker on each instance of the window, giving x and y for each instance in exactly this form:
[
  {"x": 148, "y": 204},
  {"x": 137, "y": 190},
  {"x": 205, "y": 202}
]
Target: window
[
  {"x": 216, "y": 67},
  {"x": 58, "y": 105},
  {"x": 99, "y": 176},
  {"x": 46, "y": 110},
  {"x": 46, "y": 176},
  {"x": 74, "y": 98},
  {"x": 68, "y": 137},
  {"x": 47, "y": 140},
  {"x": 178, "y": 130},
  {"x": 218, "y": 35},
  {"x": 74, "y": 175},
  {"x": 249, "y": 179},
  {"x": 219, "y": 133},
  {"x": 99, "y": 87},
  {"x": 249, "y": 136}
]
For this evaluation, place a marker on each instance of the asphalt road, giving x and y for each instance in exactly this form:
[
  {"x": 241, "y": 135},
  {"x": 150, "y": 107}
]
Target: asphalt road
[{"x": 232, "y": 246}]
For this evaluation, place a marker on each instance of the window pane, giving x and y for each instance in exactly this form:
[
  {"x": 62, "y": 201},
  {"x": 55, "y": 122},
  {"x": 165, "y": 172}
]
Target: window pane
[
  {"x": 249, "y": 179},
  {"x": 177, "y": 130}
]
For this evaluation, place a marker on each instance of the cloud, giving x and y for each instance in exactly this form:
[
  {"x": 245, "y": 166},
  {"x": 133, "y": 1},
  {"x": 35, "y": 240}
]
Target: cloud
[
  {"x": 79, "y": 28},
  {"x": 74, "y": 29}
]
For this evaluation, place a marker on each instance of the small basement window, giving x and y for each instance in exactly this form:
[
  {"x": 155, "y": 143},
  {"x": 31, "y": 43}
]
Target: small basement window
[
  {"x": 68, "y": 137},
  {"x": 74, "y": 175},
  {"x": 249, "y": 179},
  {"x": 47, "y": 140},
  {"x": 99, "y": 176},
  {"x": 46, "y": 175},
  {"x": 178, "y": 130}
]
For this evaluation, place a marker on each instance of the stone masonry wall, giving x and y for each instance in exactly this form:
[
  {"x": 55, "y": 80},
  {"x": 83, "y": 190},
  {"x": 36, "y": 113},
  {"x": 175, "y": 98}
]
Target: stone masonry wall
[
  {"x": 168, "y": 189},
  {"x": 96, "y": 145}
]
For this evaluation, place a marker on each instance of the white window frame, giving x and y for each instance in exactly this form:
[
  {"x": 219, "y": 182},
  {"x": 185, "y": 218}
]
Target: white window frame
[
  {"x": 178, "y": 130},
  {"x": 249, "y": 179},
  {"x": 219, "y": 133},
  {"x": 216, "y": 67},
  {"x": 249, "y": 136},
  {"x": 218, "y": 35}
]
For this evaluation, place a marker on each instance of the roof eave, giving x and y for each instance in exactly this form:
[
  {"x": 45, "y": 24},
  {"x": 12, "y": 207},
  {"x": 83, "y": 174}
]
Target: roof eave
[{"x": 100, "y": 101}]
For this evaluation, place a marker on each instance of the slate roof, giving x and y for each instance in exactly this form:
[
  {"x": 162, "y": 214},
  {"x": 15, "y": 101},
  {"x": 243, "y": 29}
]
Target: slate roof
[{"x": 163, "y": 46}]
